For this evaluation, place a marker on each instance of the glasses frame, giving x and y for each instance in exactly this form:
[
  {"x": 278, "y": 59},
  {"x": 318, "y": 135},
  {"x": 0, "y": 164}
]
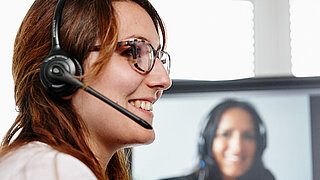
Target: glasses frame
[{"x": 157, "y": 54}]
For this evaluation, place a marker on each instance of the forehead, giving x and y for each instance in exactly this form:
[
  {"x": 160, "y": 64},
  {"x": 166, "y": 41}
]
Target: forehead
[
  {"x": 236, "y": 119},
  {"x": 135, "y": 22}
]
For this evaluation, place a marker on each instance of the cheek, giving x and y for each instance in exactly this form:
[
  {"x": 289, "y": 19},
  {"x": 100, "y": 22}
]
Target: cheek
[
  {"x": 251, "y": 148},
  {"x": 120, "y": 85},
  {"x": 218, "y": 147},
  {"x": 116, "y": 78}
]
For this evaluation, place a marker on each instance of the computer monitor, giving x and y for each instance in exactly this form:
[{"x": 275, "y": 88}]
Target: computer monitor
[{"x": 289, "y": 106}]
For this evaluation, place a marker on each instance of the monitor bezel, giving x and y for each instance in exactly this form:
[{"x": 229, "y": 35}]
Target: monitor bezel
[{"x": 310, "y": 85}]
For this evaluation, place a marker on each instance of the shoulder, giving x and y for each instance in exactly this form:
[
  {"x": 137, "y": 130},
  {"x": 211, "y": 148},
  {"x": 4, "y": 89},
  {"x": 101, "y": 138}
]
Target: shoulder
[
  {"x": 261, "y": 174},
  {"x": 39, "y": 161},
  {"x": 268, "y": 175}
]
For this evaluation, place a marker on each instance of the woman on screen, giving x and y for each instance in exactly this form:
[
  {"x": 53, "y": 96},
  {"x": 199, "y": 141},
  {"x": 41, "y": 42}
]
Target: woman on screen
[
  {"x": 67, "y": 133},
  {"x": 231, "y": 145}
]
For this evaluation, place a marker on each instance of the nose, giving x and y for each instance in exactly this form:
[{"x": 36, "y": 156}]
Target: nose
[
  {"x": 236, "y": 144},
  {"x": 158, "y": 77}
]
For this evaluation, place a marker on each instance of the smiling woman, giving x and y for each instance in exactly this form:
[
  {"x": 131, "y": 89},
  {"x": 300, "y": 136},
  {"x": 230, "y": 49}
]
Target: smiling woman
[
  {"x": 235, "y": 145},
  {"x": 72, "y": 134},
  {"x": 231, "y": 145}
]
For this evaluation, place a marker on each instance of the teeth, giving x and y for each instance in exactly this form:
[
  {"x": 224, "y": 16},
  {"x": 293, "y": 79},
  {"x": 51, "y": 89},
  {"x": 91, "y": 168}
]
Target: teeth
[
  {"x": 233, "y": 158},
  {"x": 148, "y": 106},
  {"x": 145, "y": 105},
  {"x": 137, "y": 104}
]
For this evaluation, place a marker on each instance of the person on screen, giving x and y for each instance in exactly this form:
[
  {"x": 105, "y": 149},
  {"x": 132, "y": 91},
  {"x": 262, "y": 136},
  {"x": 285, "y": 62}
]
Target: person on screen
[
  {"x": 231, "y": 145},
  {"x": 119, "y": 45}
]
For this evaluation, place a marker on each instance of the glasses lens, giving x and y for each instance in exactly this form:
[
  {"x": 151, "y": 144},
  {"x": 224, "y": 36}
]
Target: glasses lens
[
  {"x": 143, "y": 55},
  {"x": 144, "y": 58},
  {"x": 165, "y": 60}
]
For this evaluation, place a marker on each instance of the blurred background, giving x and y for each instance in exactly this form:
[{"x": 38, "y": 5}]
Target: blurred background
[{"x": 214, "y": 40}]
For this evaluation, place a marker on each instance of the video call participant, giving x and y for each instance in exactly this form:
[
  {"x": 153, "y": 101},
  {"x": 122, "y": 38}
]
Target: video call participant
[{"x": 231, "y": 145}]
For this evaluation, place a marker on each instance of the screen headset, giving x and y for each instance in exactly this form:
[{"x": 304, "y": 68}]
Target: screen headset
[{"x": 58, "y": 69}]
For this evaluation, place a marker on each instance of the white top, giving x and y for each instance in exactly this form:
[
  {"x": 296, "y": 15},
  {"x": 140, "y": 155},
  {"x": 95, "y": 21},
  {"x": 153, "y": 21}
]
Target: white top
[{"x": 36, "y": 160}]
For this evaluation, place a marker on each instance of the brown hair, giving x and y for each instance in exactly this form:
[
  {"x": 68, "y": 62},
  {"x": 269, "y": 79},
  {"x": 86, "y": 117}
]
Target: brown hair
[{"x": 51, "y": 120}]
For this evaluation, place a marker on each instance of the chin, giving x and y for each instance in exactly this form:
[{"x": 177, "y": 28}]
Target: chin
[
  {"x": 234, "y": 173},
  {"x": 143, "y": 138},
  {"x": 147, "y": 137}
]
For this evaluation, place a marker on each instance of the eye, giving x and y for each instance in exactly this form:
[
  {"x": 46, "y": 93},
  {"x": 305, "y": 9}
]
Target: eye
[
  {"x": 127, "y": 51},
  {"x": 248, "y": 136},
  {"x": 132, "y": 51},
  {"x": 139, "y": 51},
  {"x": 224, "y": 134}
]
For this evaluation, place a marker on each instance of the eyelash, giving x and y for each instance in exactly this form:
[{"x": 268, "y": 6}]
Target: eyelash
[
  {"x": 248, "y": 136},
  {"x": 226, "y": 134},
  {"x": 127, "y": 51}
]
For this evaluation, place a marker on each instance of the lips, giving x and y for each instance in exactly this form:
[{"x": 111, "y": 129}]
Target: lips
[
  {"x": 233, "y": 158},
  {"x": 145, "y": 105}
]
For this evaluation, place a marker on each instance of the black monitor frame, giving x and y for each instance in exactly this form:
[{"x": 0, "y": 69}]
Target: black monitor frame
[{"x": 311, "y": 84}]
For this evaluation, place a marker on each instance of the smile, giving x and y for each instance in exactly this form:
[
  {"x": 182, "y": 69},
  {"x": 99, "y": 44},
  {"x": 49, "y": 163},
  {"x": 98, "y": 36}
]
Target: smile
[
  {"x": 145, "y": 105},
  {"x": 233, "y": 158}
]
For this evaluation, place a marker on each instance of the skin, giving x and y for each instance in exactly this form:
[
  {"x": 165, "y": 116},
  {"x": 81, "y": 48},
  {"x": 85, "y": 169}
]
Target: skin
[
  {"x": 109, "y": 129},
  {"x": 234, "y": 146}
]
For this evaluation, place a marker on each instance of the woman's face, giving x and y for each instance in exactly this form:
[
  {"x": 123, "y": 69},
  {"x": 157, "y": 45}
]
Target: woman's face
[
  {"x": 234, "y": 146},
  {"x": 122, "y": 83}
]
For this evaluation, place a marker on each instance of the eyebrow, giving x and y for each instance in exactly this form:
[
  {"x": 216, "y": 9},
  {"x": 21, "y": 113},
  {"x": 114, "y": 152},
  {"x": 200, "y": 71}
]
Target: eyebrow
[{"x": 232, "y": 129}]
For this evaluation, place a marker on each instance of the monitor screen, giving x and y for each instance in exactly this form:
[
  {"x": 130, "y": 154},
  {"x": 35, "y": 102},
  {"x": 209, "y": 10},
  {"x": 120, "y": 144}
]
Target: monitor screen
[{"x": 288, "y": 106}]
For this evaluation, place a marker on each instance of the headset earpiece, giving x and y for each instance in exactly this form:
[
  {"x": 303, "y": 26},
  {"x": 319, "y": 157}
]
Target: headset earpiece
[
  {"x": 59, "y": 87},
  {"x": 263, "y": 135},
  {"x": 201, "y": 144}
]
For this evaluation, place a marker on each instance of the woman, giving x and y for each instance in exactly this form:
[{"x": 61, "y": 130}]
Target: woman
[
  {"x": 79, "y": 136},
  {"x": 231, "y": 145}
]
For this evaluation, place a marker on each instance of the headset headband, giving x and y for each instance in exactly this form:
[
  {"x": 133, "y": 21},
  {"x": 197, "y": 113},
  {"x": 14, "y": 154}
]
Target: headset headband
[{"x": 56, "y": 25}]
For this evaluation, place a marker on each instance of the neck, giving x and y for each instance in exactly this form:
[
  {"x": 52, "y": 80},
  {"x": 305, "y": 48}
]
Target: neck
[
  {"x": 102, "y": 152},
  {"x": 228, "y": 178}
]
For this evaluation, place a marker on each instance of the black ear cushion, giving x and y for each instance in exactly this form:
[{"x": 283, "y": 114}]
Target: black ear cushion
[
  {"x": 57, "y": 87},
  {"x": 201, "y": 144}
]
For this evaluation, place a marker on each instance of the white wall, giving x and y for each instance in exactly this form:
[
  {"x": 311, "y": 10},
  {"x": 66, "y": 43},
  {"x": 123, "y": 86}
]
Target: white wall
[{"x": 11, "y": 14}]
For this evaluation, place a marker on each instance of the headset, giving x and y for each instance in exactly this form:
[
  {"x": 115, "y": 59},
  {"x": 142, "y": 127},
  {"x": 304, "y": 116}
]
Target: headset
[{"x": 58, "y": 69}]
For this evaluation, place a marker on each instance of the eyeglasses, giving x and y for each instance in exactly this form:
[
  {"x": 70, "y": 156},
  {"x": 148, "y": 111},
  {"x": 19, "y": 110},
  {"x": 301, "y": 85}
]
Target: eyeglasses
[{"x": 141, "y": 54}]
